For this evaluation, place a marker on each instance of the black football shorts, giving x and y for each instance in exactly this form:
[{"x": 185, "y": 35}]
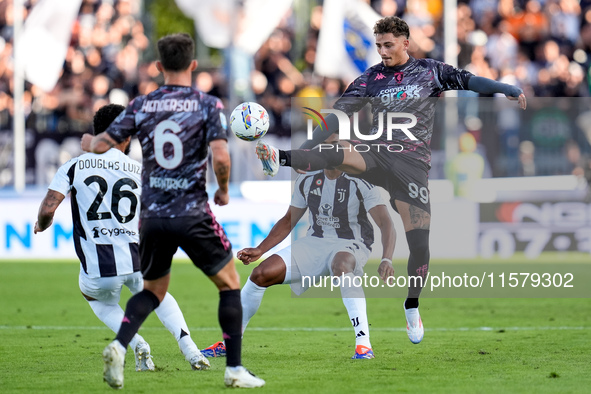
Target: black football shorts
[
  {"x": 406, "y": 179},
  {"x": 203, "y": 239}
]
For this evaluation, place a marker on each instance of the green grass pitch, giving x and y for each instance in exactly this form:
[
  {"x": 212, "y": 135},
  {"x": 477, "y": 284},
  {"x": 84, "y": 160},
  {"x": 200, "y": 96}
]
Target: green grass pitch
[{"x": 51, "y": 342}]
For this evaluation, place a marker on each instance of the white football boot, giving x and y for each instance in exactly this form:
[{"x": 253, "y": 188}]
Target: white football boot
[
  {"x": 269, "y": 156},
  {"x": 114, "y": 359},
  {"x": 143, "y": 358},
  {"x": 199, "y": 362},
  {"x": 242, "y": 377},
  {"x": 414, "y": 325}
]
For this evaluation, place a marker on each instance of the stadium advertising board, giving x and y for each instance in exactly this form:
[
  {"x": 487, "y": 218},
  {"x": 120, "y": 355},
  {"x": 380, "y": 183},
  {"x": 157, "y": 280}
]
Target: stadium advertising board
[
  {"x": 245, "y": 222},
  {"x": 534, "y": 227}
]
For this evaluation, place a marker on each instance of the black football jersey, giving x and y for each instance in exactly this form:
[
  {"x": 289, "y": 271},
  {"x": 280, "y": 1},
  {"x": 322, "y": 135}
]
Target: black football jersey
[
  {"x": 412, "y": 88},
  {"x": 174, "y": 125}
]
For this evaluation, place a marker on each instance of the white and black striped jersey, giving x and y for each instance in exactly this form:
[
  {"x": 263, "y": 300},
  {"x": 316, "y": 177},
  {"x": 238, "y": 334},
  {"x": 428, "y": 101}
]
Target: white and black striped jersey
[
  {"x": 337, "y": 207},
  {"x": 105, "y": 196}
]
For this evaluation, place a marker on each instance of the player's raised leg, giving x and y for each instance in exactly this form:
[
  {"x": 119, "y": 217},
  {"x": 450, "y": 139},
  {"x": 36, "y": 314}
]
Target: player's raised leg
[
  {"x": 416, "y": 225},
  {"x": 345, "y": 158},
  {"x": 342, "y": 267}
]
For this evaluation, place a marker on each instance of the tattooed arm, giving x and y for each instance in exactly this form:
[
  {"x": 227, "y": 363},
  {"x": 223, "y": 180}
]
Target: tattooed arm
[
  {"x": 221, "y": 167},
  {"x": 97, "y": 144},
  {"x": 47, "y": 209}
]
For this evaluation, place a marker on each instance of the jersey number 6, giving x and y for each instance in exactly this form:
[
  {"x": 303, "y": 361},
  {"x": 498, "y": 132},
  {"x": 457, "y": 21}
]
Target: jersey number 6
[{"x": 162, "y": 138}]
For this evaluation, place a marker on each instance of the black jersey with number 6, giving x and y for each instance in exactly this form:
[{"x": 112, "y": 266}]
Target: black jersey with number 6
[{"x": 174, "y": 125}]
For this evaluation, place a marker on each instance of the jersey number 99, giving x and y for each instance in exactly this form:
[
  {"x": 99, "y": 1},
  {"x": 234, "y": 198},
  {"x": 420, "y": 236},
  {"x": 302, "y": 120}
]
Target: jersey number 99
[{"x": 421, "y": 193}]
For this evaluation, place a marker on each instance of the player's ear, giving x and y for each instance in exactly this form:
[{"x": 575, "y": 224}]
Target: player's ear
[
  {"x": 159, "y": 66},
  {"x": 193, "y": 65}
]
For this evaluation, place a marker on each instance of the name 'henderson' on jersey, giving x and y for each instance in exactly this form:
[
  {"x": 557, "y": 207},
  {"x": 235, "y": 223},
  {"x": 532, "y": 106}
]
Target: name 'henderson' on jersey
[
  {"x": 413, "y": 88},
  {"x": 175, "y": 125}
]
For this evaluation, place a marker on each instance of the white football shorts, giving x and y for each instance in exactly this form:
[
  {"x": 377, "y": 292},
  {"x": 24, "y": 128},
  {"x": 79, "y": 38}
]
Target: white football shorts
[
  {"x": 312, "y": 257},
  {"x": 108, "y": 290}
]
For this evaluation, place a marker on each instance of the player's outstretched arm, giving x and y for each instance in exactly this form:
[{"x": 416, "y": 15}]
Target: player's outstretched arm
[
  {"x": 488, "y": 86},
  {"x": 47, "y": 209},
  {"x": 221, "y": 167},
  {"x": 383, "y": 220},
  {"x": 278, "y": 233}
]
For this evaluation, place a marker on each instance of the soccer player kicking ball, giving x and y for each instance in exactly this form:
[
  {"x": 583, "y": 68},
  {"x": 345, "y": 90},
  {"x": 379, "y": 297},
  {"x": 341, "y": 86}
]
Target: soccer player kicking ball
[
  {"x": 338, "y": 243},
  {"x": 176, "y": 125},
  {"x": 104, "y": 192},
  {"x": 398, "y": 161}
]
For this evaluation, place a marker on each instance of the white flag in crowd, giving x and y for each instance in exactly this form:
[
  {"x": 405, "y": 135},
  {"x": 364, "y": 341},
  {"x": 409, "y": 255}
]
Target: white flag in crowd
[
  {"x": 45, "y": 39},
  {"x": 346, "y": 45},
  {"x": 218, "y": 20}
]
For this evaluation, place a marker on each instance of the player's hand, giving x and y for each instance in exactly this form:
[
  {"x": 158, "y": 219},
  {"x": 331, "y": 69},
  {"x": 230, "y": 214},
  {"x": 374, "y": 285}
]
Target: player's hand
[
  {"x": 85, "y": 142},
  {"x": 385, "y": 270},
  {"x": 38, "y": 229},
  {"x": 248, "y": 255},
  {"x": 221, "y": 198},
  {"x": 521, "y": 100}
]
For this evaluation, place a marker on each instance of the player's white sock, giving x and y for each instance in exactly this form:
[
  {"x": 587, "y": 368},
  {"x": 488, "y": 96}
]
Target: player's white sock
[
  {"x": 112, "y": 315},
  {"x": 354, "y": 300},
  {"x": 251, "y": 297},
  {"x": 171, "y": 316}
]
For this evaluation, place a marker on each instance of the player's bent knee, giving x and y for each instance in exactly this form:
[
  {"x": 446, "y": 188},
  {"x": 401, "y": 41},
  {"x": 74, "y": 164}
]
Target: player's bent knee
[
  {"x": 261, "y": 277},
  {"x": 343, "y": 263},
  {"x": 88, "y": 298},
  {"x": 257, "y": 276},
  {"x": 270, "y": 272}
]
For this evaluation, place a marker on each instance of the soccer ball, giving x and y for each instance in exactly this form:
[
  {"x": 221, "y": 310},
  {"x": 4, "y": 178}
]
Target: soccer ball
[{"x": 249, "y": 121}]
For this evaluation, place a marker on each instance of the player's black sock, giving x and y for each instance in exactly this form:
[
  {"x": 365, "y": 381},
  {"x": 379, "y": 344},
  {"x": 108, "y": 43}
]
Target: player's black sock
[
  {"x": 230, "y": 317},
  {"x": 285, "y": 158},
  {"x": 312, "y": 160},
  {"x": 138, "y": 308},
  {"x": 411, "y": 303},
  {"x": 418, "y": 264}
]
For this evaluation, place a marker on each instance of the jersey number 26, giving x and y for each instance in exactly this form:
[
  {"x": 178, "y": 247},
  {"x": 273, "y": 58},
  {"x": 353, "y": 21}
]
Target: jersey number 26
[{"x": 116, "y": 195}]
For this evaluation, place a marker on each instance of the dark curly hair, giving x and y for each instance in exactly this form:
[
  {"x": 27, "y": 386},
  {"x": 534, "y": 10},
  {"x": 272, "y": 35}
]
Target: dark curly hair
[
  {"x": 176, "y": 51},
  {"x": 105, "y": 116},
  {"x": 392, "y": 24}
]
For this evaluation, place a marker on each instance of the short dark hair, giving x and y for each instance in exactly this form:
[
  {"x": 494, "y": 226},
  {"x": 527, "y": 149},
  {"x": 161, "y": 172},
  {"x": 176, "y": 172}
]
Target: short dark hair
[
  {"x": 392, "y": 24},
  {"x": 105, "y": 116},
  {"x": 176, "y": 51}
]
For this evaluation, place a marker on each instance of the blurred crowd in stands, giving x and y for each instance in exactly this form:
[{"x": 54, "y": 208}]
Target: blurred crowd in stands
[{"x": 543, "y": 46}]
